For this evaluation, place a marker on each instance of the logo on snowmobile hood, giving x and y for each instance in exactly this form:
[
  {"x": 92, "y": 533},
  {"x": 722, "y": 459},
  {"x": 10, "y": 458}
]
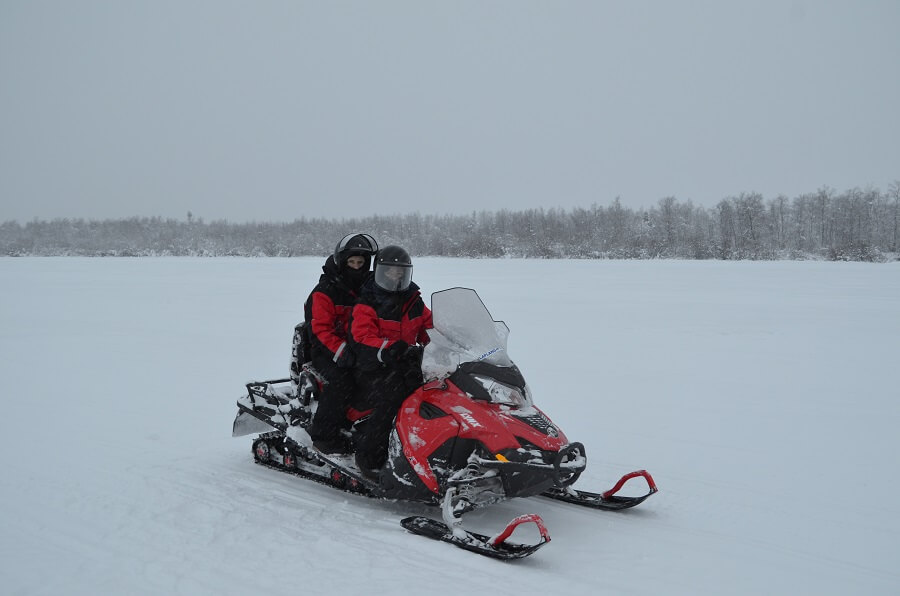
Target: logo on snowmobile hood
[{"x": 467, "y": 416}]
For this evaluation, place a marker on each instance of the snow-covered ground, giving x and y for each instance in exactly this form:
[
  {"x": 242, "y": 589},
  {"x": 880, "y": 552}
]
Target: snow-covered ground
[{"x": 763, "y": 397}]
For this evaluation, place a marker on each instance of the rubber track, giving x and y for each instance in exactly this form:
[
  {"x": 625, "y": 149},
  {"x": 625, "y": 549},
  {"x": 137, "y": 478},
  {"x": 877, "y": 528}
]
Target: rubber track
[{"x": 325, "y": 480}]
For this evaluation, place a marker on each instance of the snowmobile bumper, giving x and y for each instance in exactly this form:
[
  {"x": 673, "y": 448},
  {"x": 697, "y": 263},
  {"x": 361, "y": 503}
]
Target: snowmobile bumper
[
  {"x": 268, "y": 405},
  {"x": 540, "y": 472},
  {"x": 246, "y": 423}
]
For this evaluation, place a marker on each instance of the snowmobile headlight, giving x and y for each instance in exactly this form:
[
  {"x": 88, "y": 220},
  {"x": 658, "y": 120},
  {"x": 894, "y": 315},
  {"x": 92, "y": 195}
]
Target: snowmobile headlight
[{"x": 502, "y": 393}]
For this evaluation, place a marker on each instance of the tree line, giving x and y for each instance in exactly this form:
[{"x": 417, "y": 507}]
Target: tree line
[{"x": 855, "y": 225}]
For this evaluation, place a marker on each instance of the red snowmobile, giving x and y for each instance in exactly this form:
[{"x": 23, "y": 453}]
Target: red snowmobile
[{"x": 469, "y": 437}]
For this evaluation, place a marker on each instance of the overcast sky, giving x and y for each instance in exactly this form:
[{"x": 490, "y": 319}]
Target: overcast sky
[{"x": 274, "y": 110}]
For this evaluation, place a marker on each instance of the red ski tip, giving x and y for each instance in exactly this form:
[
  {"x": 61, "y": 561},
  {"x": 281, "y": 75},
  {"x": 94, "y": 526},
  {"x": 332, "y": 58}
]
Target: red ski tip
[
  {"x": 640, "y": 473},
  {"x": 515, "y": 523}
]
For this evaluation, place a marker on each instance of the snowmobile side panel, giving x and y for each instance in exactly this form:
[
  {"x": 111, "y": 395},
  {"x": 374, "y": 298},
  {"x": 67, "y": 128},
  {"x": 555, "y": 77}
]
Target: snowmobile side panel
[{"x": 419, "y": 435}]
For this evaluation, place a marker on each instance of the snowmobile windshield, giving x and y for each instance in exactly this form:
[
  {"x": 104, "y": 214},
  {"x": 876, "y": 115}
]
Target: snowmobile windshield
[{"x": 464, "y": 331}]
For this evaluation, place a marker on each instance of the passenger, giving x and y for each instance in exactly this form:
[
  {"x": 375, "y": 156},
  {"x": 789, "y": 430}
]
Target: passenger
[
  {"x": 327, "y": 313},
  {"x": 387, "y": 330}
]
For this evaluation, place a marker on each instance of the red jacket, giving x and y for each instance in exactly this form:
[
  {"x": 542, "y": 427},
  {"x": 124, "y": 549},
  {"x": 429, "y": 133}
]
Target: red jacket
[
  {"x": 381, "y": 319},
  {"x": 327, "y": 313}
]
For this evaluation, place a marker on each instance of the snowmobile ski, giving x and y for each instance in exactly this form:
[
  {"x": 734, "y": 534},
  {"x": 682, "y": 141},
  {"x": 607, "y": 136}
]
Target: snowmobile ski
[
  {"x": 608, "y": 500},
  {"x": 453, "y": 505},
  {"x": 496, "y": 547}
]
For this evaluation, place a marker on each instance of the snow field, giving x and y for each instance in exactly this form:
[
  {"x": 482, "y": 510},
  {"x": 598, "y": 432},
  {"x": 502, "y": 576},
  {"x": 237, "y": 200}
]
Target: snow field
[{"x": 763, "y": 398}]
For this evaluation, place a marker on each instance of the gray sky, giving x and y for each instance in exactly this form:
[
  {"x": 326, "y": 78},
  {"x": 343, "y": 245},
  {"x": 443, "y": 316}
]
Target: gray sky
[{"x": 270, "y": 111}]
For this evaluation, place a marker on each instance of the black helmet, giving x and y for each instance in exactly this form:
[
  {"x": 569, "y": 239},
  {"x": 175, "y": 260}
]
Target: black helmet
[
  {"x": 351, "y": 245},
  {"x": 393, "y": 269}
]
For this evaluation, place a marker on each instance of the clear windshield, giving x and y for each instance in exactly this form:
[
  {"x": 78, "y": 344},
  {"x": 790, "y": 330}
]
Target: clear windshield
[{"x": 464, "y": 331}]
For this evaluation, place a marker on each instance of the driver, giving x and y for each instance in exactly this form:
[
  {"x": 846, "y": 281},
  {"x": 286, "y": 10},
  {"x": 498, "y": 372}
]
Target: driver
[{"x": 387, "y": 330}]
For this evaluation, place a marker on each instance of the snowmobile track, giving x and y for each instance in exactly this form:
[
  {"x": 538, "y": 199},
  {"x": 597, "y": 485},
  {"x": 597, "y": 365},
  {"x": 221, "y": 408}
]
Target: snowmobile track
[{"x": 336, "y": 478}]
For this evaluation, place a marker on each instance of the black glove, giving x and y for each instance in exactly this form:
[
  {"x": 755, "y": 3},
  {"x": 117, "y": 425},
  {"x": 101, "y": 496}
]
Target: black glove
[
  {"x": 414, "y": 354},
  {"x": 347, "y": 359},
  {"x": 394, "y": 353}
]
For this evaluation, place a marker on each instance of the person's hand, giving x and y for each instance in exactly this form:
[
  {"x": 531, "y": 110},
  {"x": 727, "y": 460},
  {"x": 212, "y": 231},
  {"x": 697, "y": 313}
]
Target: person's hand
[
  {"x": 394, "y": 353},
  {"x": 414, "y": 354}
]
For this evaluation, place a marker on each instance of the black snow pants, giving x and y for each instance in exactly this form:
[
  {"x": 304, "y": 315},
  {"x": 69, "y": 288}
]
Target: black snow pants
[
  {"x": 338, "y": 391},
  {"x": 383, "y": 390}
]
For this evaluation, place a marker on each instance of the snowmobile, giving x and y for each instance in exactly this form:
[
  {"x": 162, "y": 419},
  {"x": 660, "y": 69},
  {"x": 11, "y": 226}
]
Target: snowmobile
[{"x": 469, "y": 437}]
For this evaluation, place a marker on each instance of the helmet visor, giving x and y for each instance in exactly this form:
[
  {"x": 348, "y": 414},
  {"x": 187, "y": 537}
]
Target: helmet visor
[
  {"x": 393, "y": 278},
  {"x": 360, "y": 243}
]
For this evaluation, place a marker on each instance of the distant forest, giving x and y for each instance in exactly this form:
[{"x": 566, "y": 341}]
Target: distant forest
[{"x": 856, "y": 225}]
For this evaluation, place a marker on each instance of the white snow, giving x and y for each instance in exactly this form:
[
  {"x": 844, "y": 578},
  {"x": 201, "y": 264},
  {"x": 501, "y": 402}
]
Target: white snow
[{"x": 763, "y": 398}]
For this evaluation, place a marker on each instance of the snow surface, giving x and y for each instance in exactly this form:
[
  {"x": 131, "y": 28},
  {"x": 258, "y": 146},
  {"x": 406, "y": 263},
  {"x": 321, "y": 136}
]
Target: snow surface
[{"x": 762, "y": 396}]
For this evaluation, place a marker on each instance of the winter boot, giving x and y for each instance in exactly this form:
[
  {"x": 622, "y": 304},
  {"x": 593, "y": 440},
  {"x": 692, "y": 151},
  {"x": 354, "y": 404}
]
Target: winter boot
[
  {"x": 336, "y": 446},
  {"x": 364, "y": 469}
]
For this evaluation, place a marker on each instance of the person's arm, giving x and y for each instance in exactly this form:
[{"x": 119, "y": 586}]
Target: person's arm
[
  {"x": 368, "y": 344},
  {"x": 324, "y": 317}
]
